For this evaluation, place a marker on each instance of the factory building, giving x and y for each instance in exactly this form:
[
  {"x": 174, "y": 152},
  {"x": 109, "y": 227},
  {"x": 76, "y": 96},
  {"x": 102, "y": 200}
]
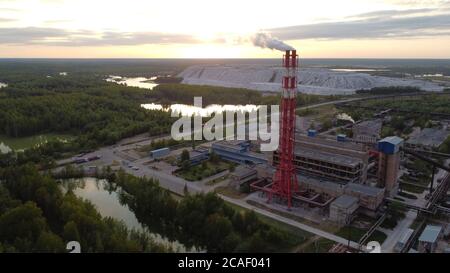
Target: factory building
[
  {"x": 339, "y": 161},
  {"x": 342, "y": 209},
  {"x": 429, "y": 238},
  {"x": 428, "y": 139},
  {"x": 367, "y": 131},
  {"x": 241, "y": 175},
  {"x": 238, "y": 151},
  {"x": 389, "y": 163},
  {"x": 197, "y": 156}
]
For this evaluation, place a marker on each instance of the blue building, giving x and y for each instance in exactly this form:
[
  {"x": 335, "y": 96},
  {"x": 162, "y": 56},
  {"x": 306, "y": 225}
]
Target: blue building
[
  {"x": 237, "y": 151},
  {"x": 160, "y": 153}
]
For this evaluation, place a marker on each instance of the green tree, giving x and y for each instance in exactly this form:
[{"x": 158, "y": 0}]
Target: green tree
[
  {"x": 22, "y": 225},
  {"x": 49, "y": 242},
  {"x": 185, "y": 156}
]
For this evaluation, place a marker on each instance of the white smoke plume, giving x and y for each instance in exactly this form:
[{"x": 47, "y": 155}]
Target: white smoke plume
[
  {"x": 345, "y": 116},
  {"x": 265, "y": 40}
]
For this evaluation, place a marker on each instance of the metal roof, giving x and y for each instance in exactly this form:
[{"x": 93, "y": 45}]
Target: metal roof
[
  {"x": 394, "y": 140},
  {"x": 333, "y": 158},
  {"x": 430, "y": 234}
]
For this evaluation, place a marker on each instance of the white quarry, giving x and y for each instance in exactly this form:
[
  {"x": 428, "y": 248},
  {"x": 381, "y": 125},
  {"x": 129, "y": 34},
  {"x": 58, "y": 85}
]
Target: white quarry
[{"x": 320, "y": 81}]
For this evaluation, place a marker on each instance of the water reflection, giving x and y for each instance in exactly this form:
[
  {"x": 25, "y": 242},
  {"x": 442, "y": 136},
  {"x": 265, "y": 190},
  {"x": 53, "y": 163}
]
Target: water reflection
[
  {"x": 9, "y": 144},
  {"x": 107, "y": 201},
  {"x": 358, "y": 70},
  {"x": 140, "y": 82},
  {"x": 190, "y": 110}
]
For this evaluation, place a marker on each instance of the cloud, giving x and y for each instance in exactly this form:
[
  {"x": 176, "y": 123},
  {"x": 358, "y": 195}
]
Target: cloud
[
  {"x": 4, "y": 20},
  {"x": 378, "y": 24},
  {"x": 61, "y": 37},
  {"x": 390, "y": 13}
]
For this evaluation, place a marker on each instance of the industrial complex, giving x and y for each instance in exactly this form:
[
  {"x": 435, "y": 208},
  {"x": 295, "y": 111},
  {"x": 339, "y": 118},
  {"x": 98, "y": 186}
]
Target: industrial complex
[{"x": 357, "y": 180}]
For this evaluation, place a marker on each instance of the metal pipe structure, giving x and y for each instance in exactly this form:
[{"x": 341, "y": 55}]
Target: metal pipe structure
[{"x": 285, "y": 179}]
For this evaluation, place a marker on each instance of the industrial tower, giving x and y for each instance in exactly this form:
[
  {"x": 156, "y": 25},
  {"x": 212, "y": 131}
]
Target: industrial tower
[{"x": 285, "y": 179}]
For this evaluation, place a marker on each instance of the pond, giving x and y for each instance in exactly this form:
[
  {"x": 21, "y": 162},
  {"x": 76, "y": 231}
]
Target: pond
[
  {"x": 108, "y": 205},
  {"x": 189, "y": 110},
  {"x": 141, "y": 82},
  {"x": 9, "y": 144}
]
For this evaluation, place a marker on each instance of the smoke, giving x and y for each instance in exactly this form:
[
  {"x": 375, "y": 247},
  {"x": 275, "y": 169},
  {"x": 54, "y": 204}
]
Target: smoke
[
  {"x": 265, "y": 40},
  {"x": 345, "y": 116}
]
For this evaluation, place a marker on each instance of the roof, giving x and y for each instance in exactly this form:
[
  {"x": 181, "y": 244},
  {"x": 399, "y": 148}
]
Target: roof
[
  {"x": 243, "y": 171},
  {"x": 367, "y": 190},
  {"x": 345, "y": 201},
  {"x": 334, "y": 158},
  {"x": 160, "y": 150},
  {"x": 430, "y": 234},
  {"x": 429, "y": 137},
  {"x": 394, "y": 140}
]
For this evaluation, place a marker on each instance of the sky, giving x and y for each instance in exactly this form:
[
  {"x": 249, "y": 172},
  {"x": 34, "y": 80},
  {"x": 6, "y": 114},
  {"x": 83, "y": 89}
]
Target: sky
[{"x": 223, "y": 29}]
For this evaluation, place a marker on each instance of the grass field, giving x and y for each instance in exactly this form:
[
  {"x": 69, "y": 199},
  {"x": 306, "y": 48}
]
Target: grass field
[
  {"x": 355, "y": 234},
  {"x": 298, "y": 236},
  {"x": 199, "y": 172}
]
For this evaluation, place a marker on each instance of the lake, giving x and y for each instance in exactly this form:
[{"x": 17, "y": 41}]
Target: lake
[
  {"x": 190, "y": 110},
  {"x": 141, "y": 82},
  {"x": 108, "y": 205},
  {"x": 9, "y": 144}
]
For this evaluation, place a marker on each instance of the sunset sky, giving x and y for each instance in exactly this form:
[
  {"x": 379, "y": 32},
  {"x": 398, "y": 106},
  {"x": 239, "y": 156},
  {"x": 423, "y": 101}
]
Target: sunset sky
[{"x": 223, "y": 29}]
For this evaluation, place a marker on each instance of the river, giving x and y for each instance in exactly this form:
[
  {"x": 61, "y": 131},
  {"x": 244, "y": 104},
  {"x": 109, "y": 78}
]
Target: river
[
  {"x": 141, "y": 82},
  {"x": 9, "y": 144},
  {"x": 189, "y": 110},
  {"x": 108, "y": 205}
]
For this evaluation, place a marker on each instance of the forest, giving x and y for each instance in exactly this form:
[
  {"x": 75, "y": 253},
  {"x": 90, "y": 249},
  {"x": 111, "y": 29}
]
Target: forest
[
  {"x": 201, "y": 220},
  {"x": 35, "y": 216}
]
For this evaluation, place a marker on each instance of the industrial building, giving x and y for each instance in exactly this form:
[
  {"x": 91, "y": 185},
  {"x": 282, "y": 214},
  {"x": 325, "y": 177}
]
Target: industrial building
[
  {"x": 338, "y": 161},
  {"x": 238, "y": 151},
  {"x": 389, "y": 163},
  {"x": 342, "y": 209},
  {"x": 428, "y": 139},
  {"x": 197, "y": 156},
  {"x": 367, "y": 131},
  {"x": 160, "y": 153},
  {"x": 241, "y": 175},
  {"x": 429, "y": 238}
]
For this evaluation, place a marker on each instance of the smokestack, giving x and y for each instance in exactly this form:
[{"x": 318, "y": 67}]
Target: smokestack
[{"x": 265, "y": 40}]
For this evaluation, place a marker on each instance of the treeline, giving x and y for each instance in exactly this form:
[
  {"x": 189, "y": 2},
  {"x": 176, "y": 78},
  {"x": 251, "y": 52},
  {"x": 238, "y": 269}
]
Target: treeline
[
  {"x": 98, "y": 113},
  {"x": 183, "y": 93},
  {"x": 390, "y": 90},
  {"x": 204, "y": 221},
  {"x": 35, "y": 216}
]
